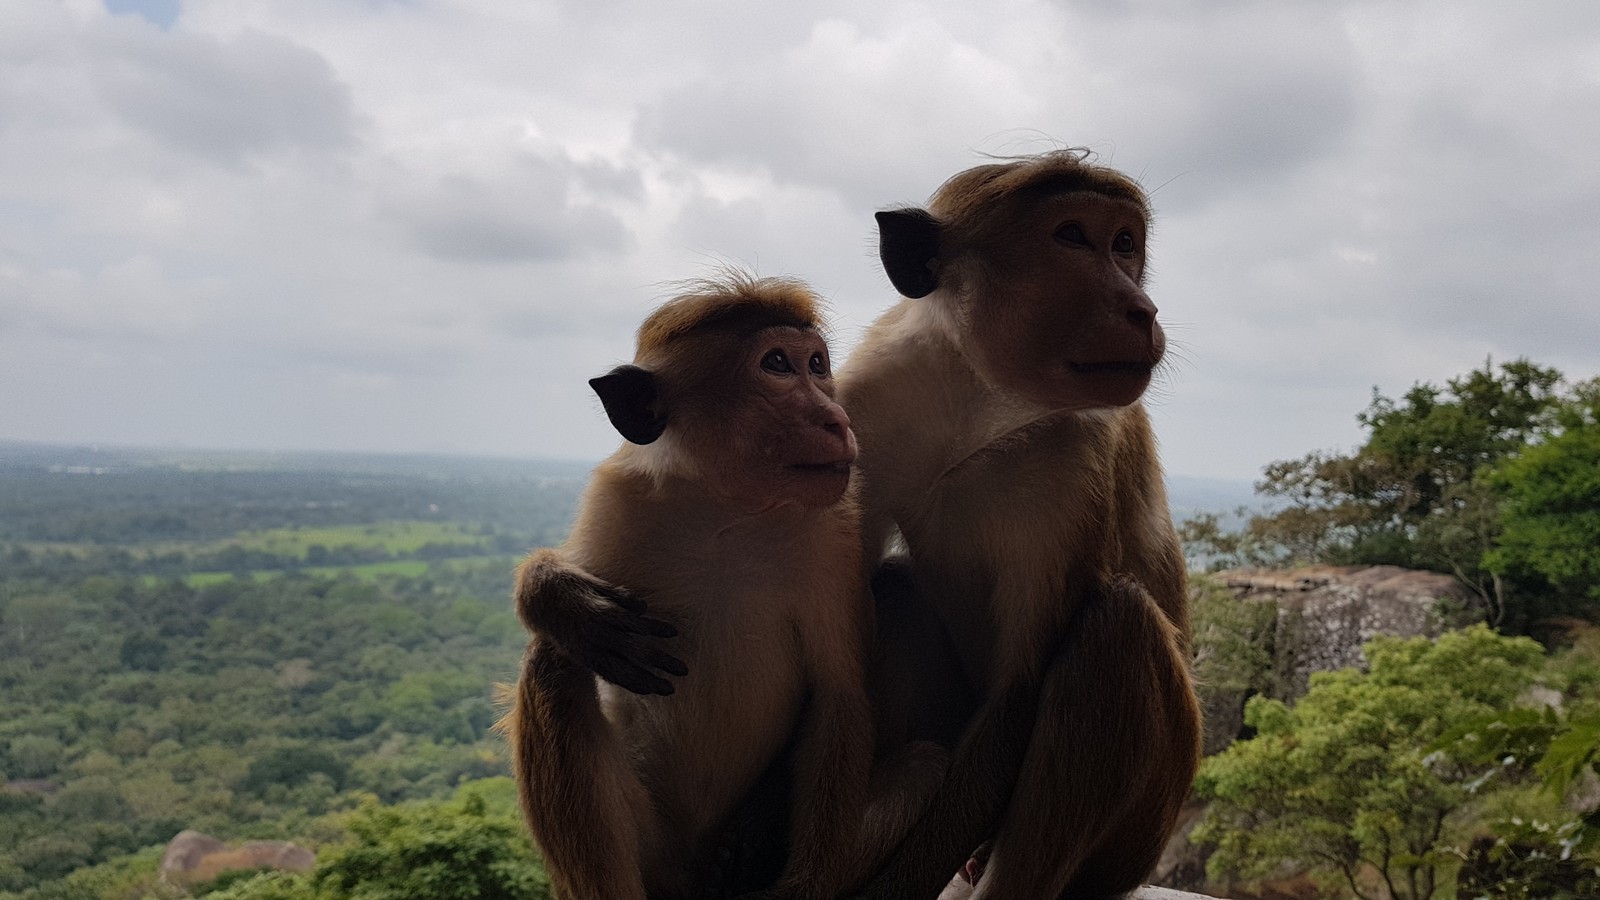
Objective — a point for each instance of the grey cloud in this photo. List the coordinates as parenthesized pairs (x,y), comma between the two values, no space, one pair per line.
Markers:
(222,100)
(1230,98)
(867,113)
(530,214)
(608,180)
(1240,95)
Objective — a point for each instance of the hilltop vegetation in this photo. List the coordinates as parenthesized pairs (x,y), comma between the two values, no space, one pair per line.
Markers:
(304,648)
(159,671)
(1462,767)
(1493,478)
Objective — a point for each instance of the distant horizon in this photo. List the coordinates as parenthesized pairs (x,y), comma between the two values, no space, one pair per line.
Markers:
(94,446)
(290,451)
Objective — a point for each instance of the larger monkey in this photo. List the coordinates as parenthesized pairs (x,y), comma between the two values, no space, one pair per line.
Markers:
(997,408)
(728,512)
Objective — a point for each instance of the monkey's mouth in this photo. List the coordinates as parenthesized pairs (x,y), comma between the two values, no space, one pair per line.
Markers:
(827,468)
(1115,369)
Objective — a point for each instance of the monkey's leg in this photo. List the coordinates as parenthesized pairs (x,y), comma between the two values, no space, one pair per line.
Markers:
(921,704)
(902,789)
(1111,760)
(580,798)
(919,691)
(967,808)
(832,765)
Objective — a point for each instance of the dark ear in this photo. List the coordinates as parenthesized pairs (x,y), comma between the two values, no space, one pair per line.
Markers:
(908,244)
(627,393)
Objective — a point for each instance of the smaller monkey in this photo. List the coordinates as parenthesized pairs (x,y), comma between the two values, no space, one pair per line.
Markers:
(729,511)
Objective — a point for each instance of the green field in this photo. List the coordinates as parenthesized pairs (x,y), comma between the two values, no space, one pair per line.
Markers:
(409,568)
(397,538)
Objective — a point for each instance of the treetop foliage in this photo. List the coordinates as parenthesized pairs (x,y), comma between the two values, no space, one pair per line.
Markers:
(1345,780)
(1491,478)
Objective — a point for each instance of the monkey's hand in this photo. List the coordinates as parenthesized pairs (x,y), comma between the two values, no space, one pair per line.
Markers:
(603,627)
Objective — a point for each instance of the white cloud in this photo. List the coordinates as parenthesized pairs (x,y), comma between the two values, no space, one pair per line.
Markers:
(401,226)
(221,100)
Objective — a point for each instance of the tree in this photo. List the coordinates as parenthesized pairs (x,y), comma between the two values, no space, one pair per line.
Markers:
(1385,502)
(1231,656)
(33,756)
(1345,782)
(457,851)
(292,764)
(1430,486)
(1551,516)
(143,651)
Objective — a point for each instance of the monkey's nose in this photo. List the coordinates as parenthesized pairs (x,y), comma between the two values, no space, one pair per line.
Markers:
(832,417)
(1141,313)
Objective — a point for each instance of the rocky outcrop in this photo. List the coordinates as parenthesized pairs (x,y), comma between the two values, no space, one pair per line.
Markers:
(194,858)
(1316,618)
(1308,620)
(37,786)
(1325,613)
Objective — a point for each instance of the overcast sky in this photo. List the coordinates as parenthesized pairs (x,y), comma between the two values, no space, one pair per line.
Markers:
(422,226)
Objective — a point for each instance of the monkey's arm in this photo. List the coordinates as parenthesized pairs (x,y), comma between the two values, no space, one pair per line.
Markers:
(580,798)
(599,625)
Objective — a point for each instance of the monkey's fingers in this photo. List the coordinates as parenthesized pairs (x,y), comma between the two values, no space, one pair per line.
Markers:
(630,676)
(622,597)
(648,626)
(653,658)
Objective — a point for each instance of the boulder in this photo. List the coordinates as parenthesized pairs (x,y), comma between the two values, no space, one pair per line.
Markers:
(194,858)
(1325,613)
(185,851)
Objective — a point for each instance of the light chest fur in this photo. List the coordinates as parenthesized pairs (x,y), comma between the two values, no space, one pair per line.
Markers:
(739,588)
(1001,506)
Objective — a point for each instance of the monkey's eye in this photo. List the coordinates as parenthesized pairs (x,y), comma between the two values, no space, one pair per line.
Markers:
(777,361)
(819,364)
(1122,243)
(1072,233)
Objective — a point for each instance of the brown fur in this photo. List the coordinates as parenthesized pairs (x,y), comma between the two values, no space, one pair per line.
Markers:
(756,566)
(724,304)
(1001,433)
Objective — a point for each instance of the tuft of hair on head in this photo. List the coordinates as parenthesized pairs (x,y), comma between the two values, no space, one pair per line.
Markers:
(730,302)
(977,194)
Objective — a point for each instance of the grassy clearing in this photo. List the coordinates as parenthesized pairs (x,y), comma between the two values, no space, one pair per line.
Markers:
(409,568)
(406,567)
(398,537)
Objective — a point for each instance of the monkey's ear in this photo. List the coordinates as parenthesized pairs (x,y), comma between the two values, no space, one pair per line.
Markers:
(908,245)
(627,393)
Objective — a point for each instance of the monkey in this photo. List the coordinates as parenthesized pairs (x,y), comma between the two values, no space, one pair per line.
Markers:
(1003,438)
(707,610)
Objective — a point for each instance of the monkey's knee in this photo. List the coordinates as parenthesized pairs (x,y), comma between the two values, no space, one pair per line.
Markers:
(1113,754)
(1144,690)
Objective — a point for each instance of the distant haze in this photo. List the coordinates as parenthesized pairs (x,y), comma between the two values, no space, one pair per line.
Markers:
(421,226)
(1188,495)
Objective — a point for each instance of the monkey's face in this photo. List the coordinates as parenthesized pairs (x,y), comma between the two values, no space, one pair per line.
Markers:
(1055,306)
(783,437)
